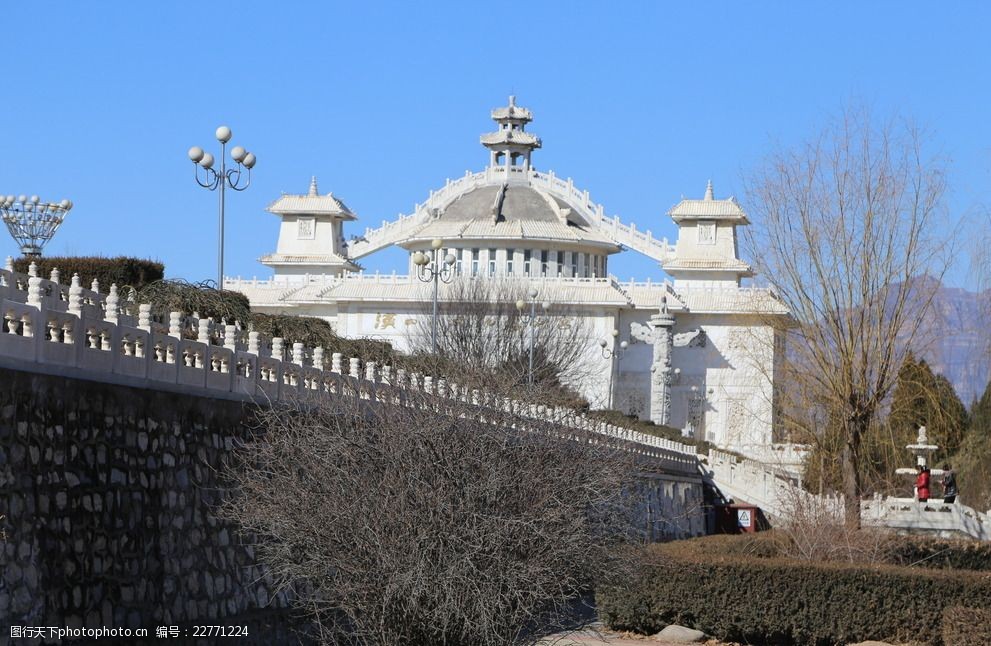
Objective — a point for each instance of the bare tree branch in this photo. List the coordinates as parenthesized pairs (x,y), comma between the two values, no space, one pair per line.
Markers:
(848,232)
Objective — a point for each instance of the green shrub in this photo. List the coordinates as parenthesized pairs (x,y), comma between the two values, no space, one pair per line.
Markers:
(966,626)
(123,271)
(702,583)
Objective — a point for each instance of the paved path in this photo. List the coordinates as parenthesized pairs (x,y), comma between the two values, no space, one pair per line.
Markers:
(608,638)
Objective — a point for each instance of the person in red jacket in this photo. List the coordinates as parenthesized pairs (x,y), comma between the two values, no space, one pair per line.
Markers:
(922,484)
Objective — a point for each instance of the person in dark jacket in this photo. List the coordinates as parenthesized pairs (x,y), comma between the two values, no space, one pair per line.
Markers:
(922,484)
(949,485)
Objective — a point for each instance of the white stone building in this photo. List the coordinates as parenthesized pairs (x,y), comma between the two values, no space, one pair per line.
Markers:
(701,353)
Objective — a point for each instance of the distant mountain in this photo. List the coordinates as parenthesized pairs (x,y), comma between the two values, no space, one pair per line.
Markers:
(956,340)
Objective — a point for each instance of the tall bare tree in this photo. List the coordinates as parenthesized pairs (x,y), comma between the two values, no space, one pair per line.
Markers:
(850,231)
(434,521)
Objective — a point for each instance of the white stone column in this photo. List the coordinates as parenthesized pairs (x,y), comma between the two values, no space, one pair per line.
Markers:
(661,370)
(500,258)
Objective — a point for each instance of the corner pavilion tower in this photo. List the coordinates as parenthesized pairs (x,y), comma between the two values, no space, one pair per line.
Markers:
(691,361)
(311,235)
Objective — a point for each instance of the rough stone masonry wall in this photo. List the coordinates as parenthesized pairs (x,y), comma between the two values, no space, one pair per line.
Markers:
(107,494)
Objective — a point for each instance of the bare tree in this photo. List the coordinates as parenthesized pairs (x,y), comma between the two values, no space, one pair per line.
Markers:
(433,521)
(480,328)
(848,231)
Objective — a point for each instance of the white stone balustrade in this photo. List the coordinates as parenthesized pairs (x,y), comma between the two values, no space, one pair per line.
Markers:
(776,491)
(627,235)
(87,337)
(934,517)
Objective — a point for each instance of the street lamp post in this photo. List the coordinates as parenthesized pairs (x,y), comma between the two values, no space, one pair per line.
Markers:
(609,353)
(520,304)
(31,222)
(223,179)
(431,269)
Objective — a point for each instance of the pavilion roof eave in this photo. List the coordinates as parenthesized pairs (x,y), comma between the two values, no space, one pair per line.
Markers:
(727,217)
(514,241)
(340,215)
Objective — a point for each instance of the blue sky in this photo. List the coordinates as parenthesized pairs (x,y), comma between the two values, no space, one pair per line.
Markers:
(639,102)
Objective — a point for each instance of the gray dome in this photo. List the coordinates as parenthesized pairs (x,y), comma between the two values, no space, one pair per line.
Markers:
(509,212)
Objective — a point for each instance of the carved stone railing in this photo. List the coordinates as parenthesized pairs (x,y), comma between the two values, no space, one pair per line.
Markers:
(285,288)
(624,234)
(777,491)
(97,337)
(932,517)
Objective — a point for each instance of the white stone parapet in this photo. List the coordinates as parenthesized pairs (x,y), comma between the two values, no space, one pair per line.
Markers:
(382,278)
(39,332)
(624,234)
(777,491)
(934,517)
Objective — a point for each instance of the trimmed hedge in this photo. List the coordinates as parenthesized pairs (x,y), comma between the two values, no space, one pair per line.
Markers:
(943,553)
(313,332)
(966,626)
(701,583)
(122,270)
(177,295)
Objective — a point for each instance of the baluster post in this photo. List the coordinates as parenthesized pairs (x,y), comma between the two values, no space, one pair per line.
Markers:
(75,297)
(111,305)
(144,317)
(230,337)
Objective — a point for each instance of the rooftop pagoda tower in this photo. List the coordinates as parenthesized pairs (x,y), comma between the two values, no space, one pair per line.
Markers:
(707,252)
(311,238)
(511,146)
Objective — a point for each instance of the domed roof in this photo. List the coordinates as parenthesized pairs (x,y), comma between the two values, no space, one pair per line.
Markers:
(509,211)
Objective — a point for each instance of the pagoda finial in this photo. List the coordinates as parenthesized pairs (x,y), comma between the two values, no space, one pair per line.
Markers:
(313,186)
(708,191)
(512,100)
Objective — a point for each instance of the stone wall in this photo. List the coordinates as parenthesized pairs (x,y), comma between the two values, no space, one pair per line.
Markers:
(108,496)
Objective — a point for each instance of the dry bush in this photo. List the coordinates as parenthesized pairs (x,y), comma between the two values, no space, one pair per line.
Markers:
(814,530)
(433,522)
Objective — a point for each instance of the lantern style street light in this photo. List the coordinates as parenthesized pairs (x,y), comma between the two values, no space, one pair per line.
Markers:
(432,269)
(520,305)
(31,222)
(697,400)
(222,179)
(610,353)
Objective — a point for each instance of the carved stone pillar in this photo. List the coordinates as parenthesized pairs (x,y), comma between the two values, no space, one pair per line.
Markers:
(659,332)
(661,370)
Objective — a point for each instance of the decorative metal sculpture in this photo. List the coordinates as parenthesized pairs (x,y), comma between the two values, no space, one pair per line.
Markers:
(31,222)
